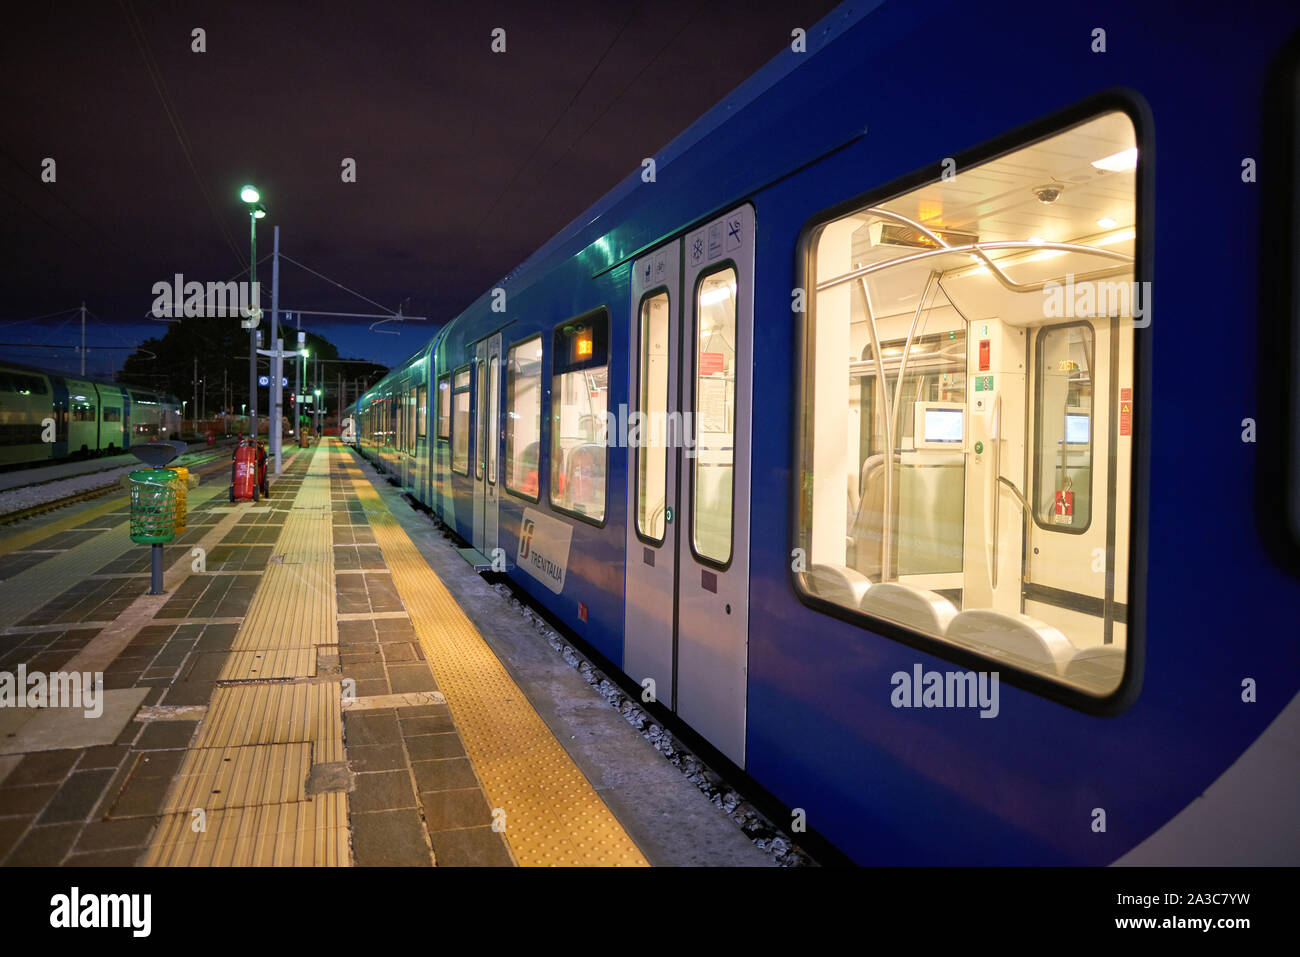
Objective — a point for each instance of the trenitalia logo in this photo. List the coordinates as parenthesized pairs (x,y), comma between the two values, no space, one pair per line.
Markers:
(526,541)
(190,299)
(544,548)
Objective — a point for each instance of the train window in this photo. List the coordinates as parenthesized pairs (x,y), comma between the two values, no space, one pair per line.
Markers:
(652,402)
(25,384)
(1063,417)
(422,411)
(83,412)
(494,416)
(412,413)
(395,410)
(460,424)
(580,399)
(444,406)
(480,459)
(713,474)
(112,415)
(524,417)
(967,392)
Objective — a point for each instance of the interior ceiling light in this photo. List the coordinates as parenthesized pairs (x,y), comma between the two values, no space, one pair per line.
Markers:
(1118,162)
(1107,223)
(1119,237)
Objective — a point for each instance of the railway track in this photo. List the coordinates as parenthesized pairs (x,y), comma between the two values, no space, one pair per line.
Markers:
(205,465)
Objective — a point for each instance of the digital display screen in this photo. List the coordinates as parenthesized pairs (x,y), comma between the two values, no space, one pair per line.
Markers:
(1077,429)
(944,425)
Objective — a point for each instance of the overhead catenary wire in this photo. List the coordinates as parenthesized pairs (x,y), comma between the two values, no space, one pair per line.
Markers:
(621,93)
(173,117)
(388,312)
(58,196)
(562,114)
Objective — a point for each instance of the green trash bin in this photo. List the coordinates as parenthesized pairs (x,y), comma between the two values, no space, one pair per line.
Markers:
(153,506)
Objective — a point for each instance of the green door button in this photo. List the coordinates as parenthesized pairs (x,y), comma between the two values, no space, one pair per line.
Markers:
(979,448)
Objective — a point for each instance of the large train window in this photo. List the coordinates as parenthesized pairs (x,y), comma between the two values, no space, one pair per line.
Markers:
(524,417)
(460,423)
(422,412)
(579,401)
(444,406)
(967,421)
(713,472)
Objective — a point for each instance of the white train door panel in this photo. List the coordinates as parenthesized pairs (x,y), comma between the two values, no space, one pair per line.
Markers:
(713,549)
(653,472)
(487,432)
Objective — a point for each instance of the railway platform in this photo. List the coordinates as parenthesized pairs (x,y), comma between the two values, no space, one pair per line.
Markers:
(324,682)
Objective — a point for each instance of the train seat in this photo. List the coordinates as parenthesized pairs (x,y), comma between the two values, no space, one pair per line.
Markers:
(1018,639)
(1098,668)
(866,529)
(838,584)
(915,608)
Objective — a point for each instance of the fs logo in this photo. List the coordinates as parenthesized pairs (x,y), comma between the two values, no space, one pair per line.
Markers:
(529,527)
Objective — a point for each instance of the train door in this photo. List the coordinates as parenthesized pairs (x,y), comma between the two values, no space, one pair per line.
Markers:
(1079,413)
(652,506)
(487,433)
(688,538)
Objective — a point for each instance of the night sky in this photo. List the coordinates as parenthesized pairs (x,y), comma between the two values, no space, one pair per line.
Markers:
(467,160)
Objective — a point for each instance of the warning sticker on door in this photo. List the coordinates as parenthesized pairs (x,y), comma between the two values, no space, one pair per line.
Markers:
(544,548)
(1125,411)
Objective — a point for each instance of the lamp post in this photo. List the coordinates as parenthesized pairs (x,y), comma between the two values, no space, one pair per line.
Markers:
(303,353)
(253,199)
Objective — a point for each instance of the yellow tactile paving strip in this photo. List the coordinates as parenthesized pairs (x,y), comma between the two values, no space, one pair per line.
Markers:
(304,833)
(294,609)
(242,776)
(248,767)
(553,816)
(277,713)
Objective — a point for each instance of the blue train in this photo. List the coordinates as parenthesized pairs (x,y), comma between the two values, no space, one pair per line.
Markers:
(849,431)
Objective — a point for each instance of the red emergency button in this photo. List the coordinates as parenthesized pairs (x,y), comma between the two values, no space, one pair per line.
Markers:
(984,355)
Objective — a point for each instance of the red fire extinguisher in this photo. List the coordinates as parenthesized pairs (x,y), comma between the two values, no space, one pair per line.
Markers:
(243,473)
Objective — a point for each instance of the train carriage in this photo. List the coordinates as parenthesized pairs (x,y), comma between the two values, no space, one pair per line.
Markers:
(47,415)
(855,438)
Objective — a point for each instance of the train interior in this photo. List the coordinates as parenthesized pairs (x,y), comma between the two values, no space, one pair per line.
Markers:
(968,407)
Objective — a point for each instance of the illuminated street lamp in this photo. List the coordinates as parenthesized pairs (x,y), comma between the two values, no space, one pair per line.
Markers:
(256,210)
